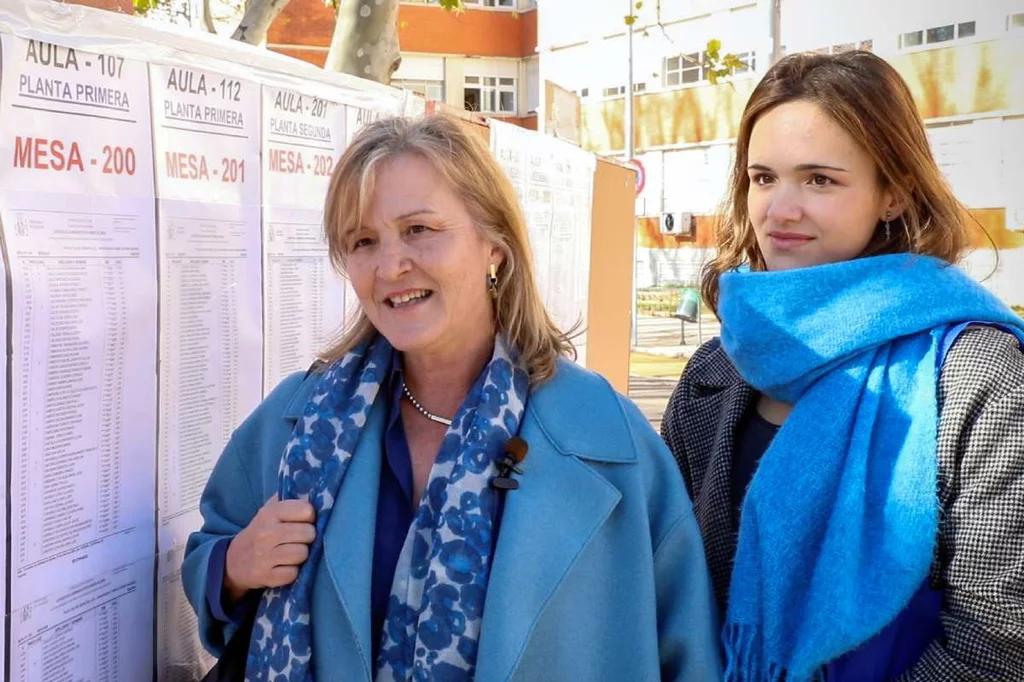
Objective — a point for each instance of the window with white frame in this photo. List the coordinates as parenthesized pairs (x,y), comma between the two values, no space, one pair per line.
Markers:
(1015,21)
(748,61)
(866,45)
(620,90)
(429,89)
(490,94)
(685,69)
(682,69)
(937,34)
(510,4)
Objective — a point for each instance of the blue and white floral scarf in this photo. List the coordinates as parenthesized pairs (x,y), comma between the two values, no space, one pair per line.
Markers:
(436,606)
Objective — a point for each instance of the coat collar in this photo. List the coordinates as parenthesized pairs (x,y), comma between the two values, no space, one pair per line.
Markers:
(712,369)
(716,399)
(572,395)
(562,502)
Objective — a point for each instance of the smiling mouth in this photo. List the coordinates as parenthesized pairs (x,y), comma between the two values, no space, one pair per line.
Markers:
(408,298)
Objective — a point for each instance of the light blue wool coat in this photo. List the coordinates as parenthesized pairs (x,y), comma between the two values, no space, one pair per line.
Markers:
(599,569)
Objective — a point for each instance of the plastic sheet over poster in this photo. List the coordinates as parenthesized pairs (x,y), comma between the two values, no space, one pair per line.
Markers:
(161,200)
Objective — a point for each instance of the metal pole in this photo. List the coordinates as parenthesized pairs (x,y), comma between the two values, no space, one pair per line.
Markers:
(776,31)
(628,123)
(629,92)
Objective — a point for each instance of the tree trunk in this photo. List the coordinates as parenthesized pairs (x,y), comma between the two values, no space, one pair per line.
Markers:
(256,21)
(365,40)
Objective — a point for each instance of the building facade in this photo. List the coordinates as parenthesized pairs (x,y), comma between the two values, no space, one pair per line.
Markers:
(961,60)
(483,59)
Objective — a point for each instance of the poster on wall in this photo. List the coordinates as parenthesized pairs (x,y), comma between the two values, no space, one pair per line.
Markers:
(303,297)
(206,141)
(554,181)
(99,629)
(76,205)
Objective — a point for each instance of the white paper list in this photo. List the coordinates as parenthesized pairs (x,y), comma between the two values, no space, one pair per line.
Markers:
(303,297)
(206,142)
(206,133)
(554,181)
(181,656)
(77,212)
(99,629)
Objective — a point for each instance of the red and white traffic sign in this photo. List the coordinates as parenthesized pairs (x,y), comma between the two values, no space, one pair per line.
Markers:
(641,174)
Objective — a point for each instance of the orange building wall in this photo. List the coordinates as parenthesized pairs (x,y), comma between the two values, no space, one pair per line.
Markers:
(422,28)
(303,22)
(475,32)
(122,6)
(651,236)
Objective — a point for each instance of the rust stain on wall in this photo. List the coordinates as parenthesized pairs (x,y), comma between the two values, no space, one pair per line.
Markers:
(965,79)
(690,115)
(988,227)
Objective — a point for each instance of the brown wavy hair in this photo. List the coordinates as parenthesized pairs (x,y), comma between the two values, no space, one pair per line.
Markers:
(461,157)
(870,100)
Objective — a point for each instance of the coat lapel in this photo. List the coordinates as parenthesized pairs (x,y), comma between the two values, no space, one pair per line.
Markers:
(718,400)
(349,536)
(547,524)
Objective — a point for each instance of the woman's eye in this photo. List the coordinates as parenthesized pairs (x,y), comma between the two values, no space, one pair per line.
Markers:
(362,241)
(762,179)
(821,180)
(417,229)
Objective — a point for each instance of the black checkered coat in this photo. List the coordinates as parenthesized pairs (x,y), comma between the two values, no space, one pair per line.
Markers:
(979,561)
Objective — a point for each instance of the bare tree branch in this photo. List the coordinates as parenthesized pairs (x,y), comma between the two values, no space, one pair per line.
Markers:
(208,17)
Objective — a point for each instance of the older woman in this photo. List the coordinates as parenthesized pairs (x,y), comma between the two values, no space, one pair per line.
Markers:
(397,544)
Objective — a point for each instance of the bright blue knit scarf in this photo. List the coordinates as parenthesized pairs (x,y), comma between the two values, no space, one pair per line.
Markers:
(838,526)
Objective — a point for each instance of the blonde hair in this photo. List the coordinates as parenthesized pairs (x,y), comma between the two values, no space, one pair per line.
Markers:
(464,161)
(870,100)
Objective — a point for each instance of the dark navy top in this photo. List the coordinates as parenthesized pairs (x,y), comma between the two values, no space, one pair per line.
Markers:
(900,644)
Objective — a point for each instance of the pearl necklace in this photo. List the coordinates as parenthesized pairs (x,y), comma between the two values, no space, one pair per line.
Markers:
(422,410)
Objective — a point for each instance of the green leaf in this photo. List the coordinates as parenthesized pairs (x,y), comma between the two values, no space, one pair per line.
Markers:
(144,6)
(713,47)
(640,4)
(453,6)
(630,19)
(732,61)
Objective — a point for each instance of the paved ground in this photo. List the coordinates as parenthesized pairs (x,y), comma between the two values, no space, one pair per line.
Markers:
(659,358)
